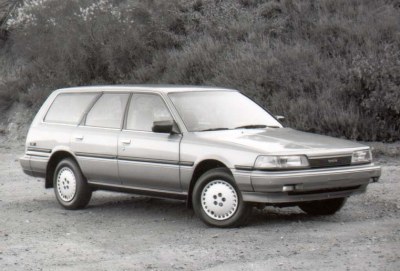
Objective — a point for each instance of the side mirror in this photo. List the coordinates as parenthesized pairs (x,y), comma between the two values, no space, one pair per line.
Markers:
(165,126)
(280,118)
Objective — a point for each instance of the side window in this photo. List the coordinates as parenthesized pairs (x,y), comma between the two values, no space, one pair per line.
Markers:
(144,109)
(68,108)
(108,111)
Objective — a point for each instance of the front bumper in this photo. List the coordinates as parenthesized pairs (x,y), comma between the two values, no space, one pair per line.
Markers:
(308,185)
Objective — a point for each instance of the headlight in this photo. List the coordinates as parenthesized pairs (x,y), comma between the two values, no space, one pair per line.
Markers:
(361,157)
(281,162)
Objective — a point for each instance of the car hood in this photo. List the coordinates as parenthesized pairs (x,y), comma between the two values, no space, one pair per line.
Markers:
(281,141)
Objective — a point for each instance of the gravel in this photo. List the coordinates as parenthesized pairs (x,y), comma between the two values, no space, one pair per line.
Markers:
(125,232)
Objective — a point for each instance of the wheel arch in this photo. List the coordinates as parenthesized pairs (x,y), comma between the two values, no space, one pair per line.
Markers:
(55,158)
(199,170)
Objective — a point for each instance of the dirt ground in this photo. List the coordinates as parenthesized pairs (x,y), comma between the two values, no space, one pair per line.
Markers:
(126,232)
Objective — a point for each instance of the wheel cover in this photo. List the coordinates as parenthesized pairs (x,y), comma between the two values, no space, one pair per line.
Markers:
(66,184)
(219,200)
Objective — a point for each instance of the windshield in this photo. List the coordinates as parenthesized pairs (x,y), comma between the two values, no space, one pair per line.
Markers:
(220,110)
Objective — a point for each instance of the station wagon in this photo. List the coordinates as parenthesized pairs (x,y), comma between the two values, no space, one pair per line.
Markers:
(213,147)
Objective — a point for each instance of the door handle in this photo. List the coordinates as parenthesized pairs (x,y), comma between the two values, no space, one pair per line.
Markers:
(126,141)
(79,137)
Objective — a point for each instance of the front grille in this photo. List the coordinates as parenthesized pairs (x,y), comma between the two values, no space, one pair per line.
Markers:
(327,190)
(322,162)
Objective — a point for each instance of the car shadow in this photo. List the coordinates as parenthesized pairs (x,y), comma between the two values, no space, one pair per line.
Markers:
(277,216)
(123,206)
(140,205)
(154,208)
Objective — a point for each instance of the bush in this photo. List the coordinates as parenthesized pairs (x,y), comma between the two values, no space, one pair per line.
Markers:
(329,66)
(67,43)
(374,85)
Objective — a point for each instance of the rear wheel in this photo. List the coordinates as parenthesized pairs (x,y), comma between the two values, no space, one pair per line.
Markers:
(70,186)
(323,207)
(217,201)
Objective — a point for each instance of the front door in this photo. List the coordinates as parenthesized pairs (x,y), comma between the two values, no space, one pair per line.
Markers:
(148,160)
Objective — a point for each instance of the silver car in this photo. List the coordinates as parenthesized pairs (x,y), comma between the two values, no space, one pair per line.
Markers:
(213,147)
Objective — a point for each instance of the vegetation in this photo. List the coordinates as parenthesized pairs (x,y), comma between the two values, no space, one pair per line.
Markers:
(329,66)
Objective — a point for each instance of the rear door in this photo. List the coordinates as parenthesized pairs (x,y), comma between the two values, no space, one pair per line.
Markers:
(148,160)
(95,141)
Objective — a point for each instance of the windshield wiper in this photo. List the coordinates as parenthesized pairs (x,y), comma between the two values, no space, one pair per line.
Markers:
(214,129)
(255,126)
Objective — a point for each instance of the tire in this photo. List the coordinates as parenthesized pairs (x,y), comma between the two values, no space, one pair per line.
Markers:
(70,186)
(323,207)
(218,202)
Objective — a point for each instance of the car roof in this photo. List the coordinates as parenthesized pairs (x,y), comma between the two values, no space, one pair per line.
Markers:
(142,88)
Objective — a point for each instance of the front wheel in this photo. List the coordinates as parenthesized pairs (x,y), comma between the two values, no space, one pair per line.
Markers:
(323,207)
(217,201)
(70,186)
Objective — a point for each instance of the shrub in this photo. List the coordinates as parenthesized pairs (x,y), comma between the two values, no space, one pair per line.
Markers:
(87,42)
(329,66)
(375,86)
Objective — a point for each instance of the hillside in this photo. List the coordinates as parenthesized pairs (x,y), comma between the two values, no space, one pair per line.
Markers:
(329,66)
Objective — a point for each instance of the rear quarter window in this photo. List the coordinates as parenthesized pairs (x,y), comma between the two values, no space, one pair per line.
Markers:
(68,108)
